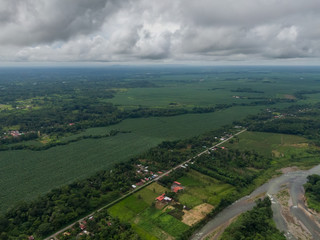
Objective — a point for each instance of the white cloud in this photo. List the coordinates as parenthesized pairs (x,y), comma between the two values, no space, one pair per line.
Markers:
(148,30)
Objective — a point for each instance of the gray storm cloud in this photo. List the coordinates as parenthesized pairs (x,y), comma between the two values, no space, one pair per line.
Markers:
(150,30)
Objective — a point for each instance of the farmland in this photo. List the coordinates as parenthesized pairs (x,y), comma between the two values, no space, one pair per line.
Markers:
(162,221)
(201,190)
(138,210)
(27,174)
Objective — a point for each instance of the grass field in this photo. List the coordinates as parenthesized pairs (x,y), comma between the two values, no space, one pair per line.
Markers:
(200,188)
(149,222)
(208,89)
(153,223)
(285,151)
(270,144)
(27,174)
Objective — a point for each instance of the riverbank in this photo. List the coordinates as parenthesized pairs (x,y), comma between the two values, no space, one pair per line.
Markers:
(288,204)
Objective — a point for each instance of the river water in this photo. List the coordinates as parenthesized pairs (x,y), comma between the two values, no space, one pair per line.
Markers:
(295,180)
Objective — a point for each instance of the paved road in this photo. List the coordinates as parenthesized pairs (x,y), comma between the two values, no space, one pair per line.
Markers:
(53,236)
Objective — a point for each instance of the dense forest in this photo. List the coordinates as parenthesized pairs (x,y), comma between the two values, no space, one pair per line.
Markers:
(254,224)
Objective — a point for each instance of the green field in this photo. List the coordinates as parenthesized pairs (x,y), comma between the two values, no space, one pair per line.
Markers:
(269,144)
(149,222)
(200,188)
(27,174)
(210,89)
(152,223)
(285,150)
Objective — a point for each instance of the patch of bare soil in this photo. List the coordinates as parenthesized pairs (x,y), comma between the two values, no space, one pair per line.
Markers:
(160,205)
(289,169)
(196,214)
(294,225)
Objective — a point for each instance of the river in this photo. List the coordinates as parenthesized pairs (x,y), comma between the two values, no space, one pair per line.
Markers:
(294,181)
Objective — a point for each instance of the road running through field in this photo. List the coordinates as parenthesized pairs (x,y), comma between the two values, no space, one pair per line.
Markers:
(53,236)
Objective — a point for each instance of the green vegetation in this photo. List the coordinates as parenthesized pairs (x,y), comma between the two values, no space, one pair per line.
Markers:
(200,188)
(54,108)
(268,144)
(139,210)
(218,178)
(27,174)
(254,224)
(312,189)
(61,123)
(101,226)
(283,150)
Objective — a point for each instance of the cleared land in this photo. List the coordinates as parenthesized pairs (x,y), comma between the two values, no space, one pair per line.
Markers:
(196,214)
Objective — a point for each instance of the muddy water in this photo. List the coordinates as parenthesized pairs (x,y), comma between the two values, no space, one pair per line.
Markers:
(295,181)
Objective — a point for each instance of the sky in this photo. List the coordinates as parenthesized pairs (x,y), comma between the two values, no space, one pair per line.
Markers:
(165,31)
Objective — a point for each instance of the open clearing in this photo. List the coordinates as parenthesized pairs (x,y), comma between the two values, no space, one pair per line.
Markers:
(269,144)
(196,214)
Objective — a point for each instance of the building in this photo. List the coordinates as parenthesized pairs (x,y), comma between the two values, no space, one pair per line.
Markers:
(160,198)
(163,198)
(176,187)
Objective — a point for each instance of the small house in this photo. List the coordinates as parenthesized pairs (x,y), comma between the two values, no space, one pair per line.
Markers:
(177,189)
(160,198)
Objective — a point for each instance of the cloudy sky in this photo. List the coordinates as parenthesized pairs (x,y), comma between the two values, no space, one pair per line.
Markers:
(160,31)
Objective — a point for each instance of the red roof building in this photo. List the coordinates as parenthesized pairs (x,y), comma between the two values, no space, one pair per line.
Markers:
(177,189)
(177,182)
(161,197)
(82,227)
